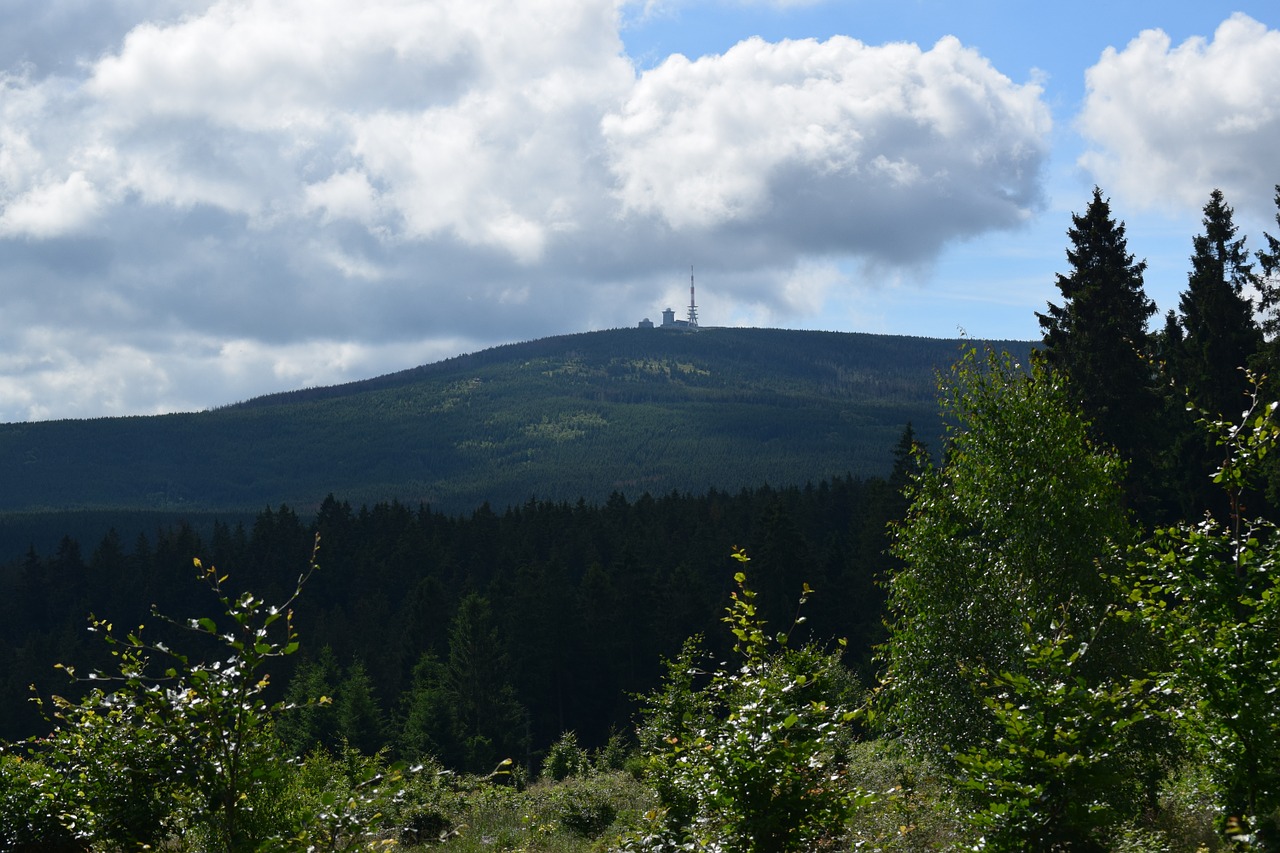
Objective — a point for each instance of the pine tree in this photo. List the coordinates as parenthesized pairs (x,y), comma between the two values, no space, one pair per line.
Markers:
(1097,339)
(1221,335)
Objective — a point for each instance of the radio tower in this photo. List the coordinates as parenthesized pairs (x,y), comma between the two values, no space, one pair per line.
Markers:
(693,308)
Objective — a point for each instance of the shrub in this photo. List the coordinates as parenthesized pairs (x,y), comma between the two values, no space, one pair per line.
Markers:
(584,806)
(170,746)
(750,757)
(1211,592)
(31,795)
(565,759)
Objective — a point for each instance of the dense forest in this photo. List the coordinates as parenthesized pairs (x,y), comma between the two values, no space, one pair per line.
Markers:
(1059,631)
(560,585)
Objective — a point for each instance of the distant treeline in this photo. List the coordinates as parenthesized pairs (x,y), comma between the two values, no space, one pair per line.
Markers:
(579,603)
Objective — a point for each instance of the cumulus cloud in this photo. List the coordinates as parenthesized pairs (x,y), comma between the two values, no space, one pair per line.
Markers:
(1168,124)
(883,151)
(209,195)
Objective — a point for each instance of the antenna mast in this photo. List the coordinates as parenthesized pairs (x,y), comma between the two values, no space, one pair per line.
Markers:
(693,308)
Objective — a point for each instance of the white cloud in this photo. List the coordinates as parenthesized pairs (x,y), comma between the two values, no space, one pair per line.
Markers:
(345,195)
(71,374)
(237,196)
(51,209)
(924,144)
(1168,124)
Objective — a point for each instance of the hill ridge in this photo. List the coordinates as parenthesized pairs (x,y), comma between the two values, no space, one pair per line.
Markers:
(562,417)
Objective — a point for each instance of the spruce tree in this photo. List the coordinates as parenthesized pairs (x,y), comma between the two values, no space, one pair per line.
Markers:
(1220,334)
(1269,301)
(1270,282)
(491,724)
(1097,339)
(1216,337)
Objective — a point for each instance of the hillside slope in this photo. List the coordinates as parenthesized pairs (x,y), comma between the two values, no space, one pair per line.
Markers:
(630,410)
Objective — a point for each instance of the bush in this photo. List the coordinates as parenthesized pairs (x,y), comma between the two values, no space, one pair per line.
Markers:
(342,800)
(751,757)
(170,747)
(584,806)
(31,795)
(565,759)
(615,753)
(919,812)
(168,744)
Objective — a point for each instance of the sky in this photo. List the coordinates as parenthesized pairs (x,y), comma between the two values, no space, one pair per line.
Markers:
(203,201)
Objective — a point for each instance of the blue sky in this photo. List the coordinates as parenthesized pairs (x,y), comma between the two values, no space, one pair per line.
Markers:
(992,285)
(206,200)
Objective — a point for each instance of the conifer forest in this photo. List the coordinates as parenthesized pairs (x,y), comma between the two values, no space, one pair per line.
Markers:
(1050,621)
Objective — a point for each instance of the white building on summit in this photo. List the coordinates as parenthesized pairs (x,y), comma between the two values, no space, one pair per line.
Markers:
(669,320)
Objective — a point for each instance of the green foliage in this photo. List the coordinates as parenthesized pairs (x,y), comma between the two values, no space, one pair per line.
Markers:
(191,741)
(1019,525)
(1098,340)
(1269,281)
(174,745)
(1061,773)
(1007,554)
(586,806)
(489,723)
(565,759)
(1098,336)
(32,802)
(360,718)
(1212,591)
(344,802)
(427,710)
(565,582)
(751,759)
(309,718)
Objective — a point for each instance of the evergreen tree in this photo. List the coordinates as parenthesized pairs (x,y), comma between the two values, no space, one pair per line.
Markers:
(427,721)
(360,717)
(310,718)
(491,724)
(1269,303)
(1220,334)
(906,462)
(1269,283)
(1098,339)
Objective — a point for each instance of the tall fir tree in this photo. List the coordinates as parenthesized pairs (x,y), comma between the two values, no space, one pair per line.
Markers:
(1269,301)
(1217,335)
(1097,339)
(490,722)
(1270,257)
(1220,332)
(1267,363)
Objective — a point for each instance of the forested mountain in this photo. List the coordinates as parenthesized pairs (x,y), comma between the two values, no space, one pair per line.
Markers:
(555,485)
(579,416)
(1065,640)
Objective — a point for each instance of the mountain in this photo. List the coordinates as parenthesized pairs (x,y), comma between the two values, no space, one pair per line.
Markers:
(576,416)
